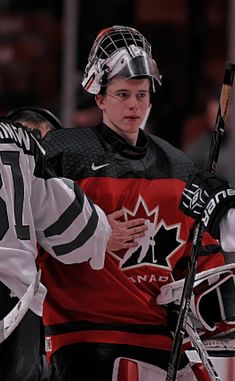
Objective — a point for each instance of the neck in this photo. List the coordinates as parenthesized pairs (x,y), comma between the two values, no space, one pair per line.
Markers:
(130,137)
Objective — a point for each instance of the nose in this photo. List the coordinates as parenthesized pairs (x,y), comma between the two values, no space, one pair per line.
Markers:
(133,101)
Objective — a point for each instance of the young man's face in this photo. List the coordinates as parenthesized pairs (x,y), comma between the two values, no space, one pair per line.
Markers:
(125,104)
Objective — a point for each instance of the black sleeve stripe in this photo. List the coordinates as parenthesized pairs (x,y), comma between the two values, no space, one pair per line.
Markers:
(82,237)
(67,218)
(74,326)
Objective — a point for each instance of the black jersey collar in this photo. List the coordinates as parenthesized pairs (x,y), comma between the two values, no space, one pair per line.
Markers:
(119,144)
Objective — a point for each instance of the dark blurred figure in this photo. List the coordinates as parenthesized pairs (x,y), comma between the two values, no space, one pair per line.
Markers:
(197,133)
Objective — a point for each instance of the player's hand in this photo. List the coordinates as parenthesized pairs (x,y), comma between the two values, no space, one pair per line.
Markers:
(207,197)
(124,234)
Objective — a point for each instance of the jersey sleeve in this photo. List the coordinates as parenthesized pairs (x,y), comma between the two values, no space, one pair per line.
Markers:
(227,231)
(68,225)
(36,206)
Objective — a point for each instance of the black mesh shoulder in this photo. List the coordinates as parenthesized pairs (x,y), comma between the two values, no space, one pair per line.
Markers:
(69,139)
(72,150)
(180,165)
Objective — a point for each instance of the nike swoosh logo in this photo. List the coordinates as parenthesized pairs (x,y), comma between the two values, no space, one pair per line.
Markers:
(96,167)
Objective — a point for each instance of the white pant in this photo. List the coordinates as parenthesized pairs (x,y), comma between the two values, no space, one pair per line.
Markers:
(132,370)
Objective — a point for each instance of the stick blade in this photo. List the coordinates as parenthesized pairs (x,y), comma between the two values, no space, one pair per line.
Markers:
(14,317)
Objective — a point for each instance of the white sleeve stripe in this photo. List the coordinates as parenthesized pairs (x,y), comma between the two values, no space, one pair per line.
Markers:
(66,219)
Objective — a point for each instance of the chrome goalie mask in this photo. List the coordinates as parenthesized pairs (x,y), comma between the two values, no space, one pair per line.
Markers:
(122,51)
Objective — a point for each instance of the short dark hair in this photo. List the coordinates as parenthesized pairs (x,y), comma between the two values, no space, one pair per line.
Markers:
(36,115)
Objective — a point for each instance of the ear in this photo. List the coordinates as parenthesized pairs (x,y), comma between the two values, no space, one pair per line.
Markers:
(100,101)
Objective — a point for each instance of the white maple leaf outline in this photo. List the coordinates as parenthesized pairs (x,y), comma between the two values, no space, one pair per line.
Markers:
(161,223)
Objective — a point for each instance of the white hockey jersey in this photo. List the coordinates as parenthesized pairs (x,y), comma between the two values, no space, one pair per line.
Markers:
(227,231)
(36,206)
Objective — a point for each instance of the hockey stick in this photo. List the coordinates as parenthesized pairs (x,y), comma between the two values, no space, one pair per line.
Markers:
(202,352)
(14,317)
(180,331)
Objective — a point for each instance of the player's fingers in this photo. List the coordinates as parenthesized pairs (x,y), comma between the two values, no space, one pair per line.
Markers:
(135,222)
(130,244)
(136,235)
(137,229)
(114,244)
(115,215)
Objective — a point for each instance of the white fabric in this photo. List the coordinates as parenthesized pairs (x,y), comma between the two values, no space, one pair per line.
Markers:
(220,345)
(172,292)
(31,200)
(148,372)
(227,231)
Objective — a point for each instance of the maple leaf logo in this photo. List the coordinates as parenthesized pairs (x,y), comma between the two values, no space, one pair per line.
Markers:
(160,243)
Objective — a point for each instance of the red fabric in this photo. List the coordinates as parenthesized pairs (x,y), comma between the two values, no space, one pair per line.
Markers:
(200,372)
(127,371)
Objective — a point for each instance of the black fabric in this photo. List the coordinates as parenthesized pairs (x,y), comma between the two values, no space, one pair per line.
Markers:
(88,325)
(95,360)
(72,151)
(20,352)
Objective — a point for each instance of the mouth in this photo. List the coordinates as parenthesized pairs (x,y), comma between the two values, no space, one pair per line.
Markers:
(132,117)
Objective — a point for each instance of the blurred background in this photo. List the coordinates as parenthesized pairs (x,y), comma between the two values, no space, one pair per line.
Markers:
(44,45)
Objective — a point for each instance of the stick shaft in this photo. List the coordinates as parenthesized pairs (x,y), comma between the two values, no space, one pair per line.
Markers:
(14,317)
(199,229)
(221,118)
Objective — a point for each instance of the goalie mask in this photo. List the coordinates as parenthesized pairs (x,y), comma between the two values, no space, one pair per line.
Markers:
(119,51)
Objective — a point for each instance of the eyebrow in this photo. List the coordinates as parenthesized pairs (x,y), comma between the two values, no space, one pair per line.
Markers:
(138,91)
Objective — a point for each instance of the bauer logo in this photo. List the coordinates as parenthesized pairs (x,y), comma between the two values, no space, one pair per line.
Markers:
(212,204)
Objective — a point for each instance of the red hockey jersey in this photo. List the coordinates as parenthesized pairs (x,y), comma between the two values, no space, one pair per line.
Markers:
(118,303)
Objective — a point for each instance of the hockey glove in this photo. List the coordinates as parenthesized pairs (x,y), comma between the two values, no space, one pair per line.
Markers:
(207,197)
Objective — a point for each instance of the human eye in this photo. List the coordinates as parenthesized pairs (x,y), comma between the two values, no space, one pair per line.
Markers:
(142,95)
(123,94)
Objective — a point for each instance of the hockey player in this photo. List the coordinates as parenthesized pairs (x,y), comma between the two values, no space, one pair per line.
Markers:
(94,318)
(41,121)
(27,354)
(73,231)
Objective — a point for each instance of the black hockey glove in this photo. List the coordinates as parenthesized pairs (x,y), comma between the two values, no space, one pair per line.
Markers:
(207,197)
